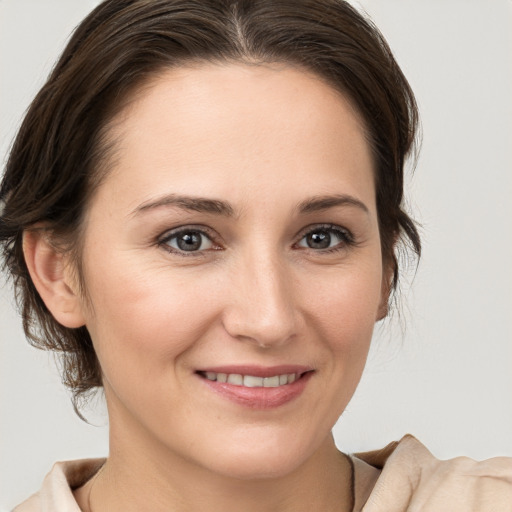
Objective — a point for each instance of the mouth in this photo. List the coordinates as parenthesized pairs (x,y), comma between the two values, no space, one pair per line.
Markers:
(252,381)
(257,387)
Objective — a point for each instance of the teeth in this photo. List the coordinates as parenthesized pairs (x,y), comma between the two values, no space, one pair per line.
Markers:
(271,382)
(236,379)
(253,382)
(250,381)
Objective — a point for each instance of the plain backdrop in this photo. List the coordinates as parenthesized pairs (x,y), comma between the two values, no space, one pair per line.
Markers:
(442,368)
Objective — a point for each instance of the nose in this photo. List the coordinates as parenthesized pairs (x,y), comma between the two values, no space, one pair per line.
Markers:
(261,309)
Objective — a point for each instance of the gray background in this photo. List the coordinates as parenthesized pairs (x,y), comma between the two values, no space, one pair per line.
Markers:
(442,370)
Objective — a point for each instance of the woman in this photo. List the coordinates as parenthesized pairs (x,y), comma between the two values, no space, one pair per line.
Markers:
(202,211)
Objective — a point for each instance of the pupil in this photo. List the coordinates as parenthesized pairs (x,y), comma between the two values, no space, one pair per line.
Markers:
(189,241)
(319,240)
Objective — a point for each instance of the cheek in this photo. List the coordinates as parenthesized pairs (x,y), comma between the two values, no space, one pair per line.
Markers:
(145,317)
(347,304)
(342,312)
(345,309)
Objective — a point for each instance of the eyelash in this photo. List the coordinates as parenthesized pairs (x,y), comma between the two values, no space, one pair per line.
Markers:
(165,240)
(346,239)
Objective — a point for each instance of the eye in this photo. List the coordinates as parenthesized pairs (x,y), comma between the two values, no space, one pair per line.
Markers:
(187,240)
(326,237)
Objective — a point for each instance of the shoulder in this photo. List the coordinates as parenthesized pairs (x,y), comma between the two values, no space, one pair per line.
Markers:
(32,504)
(406,476)
(56,493)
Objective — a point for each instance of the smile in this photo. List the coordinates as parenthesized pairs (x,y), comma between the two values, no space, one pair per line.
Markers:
(251,381)
(257,387)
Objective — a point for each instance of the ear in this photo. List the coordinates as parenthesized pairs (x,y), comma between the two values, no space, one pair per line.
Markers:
(52,277)
(387,280)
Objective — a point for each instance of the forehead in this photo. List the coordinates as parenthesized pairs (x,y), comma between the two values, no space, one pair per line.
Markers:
(218,125)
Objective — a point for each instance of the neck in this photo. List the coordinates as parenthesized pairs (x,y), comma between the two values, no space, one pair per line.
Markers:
(145,477)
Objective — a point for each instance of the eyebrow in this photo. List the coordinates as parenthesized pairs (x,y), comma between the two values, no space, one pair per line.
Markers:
(320,203)
(218,207)
(196,204)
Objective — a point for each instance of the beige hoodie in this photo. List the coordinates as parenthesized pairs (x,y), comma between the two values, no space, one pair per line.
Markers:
(403,476)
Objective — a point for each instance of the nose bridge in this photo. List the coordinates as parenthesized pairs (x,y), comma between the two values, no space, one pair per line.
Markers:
(262,307)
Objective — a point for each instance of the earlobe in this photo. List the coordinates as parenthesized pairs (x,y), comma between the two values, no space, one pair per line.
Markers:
(387,280)
(52,278)
(383,308)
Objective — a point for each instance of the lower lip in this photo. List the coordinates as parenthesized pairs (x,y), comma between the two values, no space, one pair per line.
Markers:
(260,398)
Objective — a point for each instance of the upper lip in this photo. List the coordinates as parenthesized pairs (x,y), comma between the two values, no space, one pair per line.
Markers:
(258,371)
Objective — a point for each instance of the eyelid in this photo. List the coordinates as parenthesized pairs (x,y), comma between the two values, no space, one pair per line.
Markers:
(163,239)
(326,226)
(345,233)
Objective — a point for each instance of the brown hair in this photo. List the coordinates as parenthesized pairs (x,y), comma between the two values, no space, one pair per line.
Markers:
(56,160)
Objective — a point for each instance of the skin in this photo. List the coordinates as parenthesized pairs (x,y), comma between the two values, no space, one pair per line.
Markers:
(264,139)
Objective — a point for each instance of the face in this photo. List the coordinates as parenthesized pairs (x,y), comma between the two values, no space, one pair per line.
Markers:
(233,265)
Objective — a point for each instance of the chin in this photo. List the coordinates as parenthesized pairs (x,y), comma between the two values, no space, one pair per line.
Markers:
(263,457)
(258,468)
